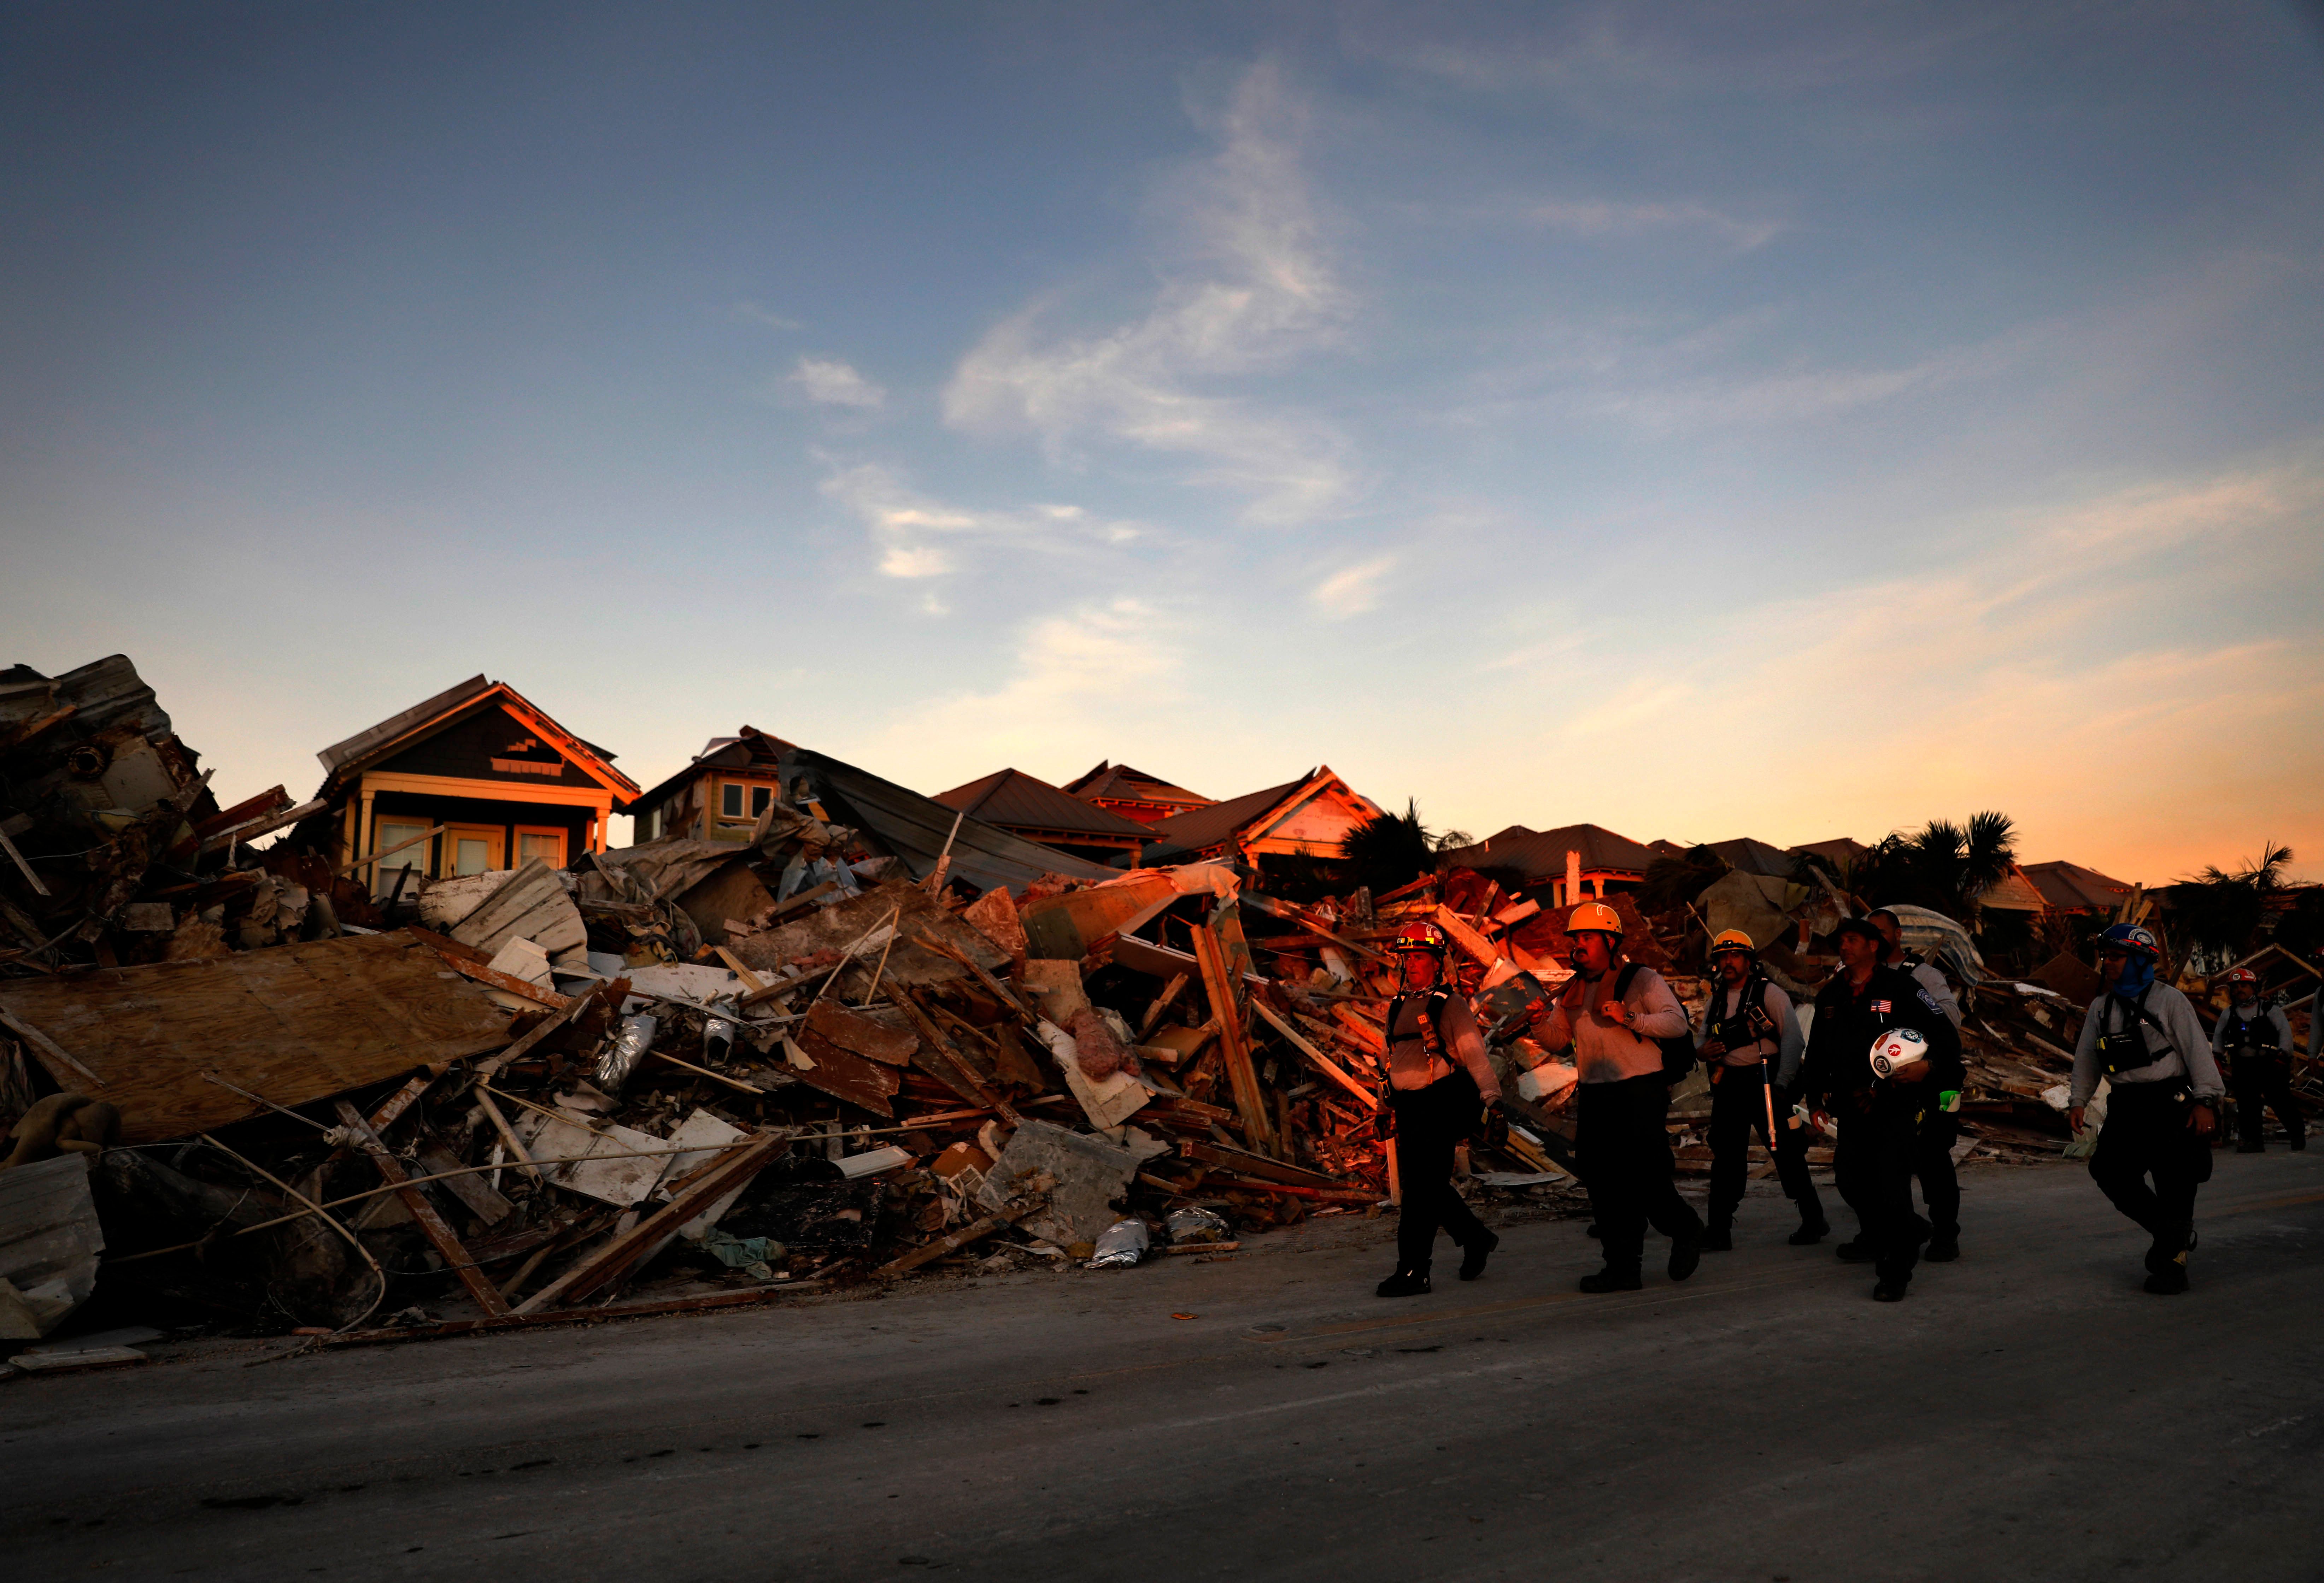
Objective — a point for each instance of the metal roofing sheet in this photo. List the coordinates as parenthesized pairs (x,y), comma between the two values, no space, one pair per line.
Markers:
(914,827)
(1011,796)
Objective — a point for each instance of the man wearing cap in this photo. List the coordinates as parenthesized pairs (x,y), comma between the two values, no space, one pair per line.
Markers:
(1748,1023)
(1879,1117)
(1612,1013)
(2254,1037)
(2162,1100)
(1932,1160)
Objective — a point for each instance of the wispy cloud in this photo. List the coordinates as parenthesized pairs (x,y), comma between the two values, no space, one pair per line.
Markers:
(830,382)
(1258,293)
(1353,590)
(753,313)
(917,535)
(1102,672)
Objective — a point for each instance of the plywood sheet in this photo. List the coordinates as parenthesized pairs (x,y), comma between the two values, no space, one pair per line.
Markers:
(293,1023)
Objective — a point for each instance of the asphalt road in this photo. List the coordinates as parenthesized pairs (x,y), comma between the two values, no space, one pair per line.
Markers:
(2029,1412)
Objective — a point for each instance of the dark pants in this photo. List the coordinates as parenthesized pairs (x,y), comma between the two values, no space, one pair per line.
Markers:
(1428,1123)
(2146,1134)
(1738,1108)
(1623,1155)
(1932,1162)
(2262,1080)
(1872,1165)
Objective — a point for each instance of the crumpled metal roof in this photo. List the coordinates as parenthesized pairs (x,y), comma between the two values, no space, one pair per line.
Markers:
(914,827)
(1011,796)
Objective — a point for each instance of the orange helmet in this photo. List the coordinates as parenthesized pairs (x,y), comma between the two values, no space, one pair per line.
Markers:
(1733,940)
(1597,916)
(1418,937)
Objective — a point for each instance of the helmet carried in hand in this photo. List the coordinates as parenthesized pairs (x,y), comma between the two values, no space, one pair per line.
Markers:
(1897,1047)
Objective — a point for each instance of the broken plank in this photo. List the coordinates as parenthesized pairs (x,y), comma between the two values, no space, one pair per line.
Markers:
(975,1231)
(1234,1039)
(614,1259)
(485,1295)
(1331,1069)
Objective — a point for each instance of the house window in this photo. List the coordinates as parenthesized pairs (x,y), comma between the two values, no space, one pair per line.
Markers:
(472,849)
(534,840)
(388,834)
(731,796)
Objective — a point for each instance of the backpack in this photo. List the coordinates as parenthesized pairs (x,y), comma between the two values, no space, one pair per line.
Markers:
(1678,1050)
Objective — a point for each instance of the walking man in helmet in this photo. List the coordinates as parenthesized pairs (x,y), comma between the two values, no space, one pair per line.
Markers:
(1932,1160)
(1747,1024)
(1614,1013)
(2162,1106)
(2255,1037)
(1879,1114)
(1438,1074)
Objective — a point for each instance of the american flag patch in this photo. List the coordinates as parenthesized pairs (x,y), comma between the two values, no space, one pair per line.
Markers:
(1882,1007)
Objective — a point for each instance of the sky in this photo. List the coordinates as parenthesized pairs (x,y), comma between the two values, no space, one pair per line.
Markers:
(1790,420)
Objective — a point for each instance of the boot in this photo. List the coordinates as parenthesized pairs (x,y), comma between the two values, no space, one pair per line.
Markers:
(1719,1238)
(2299,1141)
(1944,1247)
(1406,1284)
(1686,1252)
(1810,1233)
(2170,1279)
(1473,1257)
(1610,1279)
(1857,1251)
(1888,1292)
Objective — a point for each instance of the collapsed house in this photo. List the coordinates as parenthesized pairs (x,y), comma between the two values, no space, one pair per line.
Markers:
(833,1033)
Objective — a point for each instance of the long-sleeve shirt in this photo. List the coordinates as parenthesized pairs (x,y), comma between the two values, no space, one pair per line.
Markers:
(1465,1045)
(2178,1046)
(1847,1022)
(1785,1047)
(1926,974)
(1605,1051)
(2269,1028)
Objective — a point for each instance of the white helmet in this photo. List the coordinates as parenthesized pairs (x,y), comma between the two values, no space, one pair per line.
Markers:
(1897,1047)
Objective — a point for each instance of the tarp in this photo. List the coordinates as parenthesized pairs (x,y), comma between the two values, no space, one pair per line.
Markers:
(1941,941)
(1759,904)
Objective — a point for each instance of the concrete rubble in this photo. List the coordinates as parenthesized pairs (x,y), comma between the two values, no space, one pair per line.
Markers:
(867,1035)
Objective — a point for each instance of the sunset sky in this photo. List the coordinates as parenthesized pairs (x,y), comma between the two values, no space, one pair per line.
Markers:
(1790,420)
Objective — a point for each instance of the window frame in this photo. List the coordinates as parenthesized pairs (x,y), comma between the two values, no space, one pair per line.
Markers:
(564,842)
(497,834)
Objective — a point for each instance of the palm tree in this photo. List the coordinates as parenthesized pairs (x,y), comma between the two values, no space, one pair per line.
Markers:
(2221,913)
(1390,850)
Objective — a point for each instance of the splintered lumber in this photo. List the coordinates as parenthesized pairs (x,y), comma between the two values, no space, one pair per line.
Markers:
(49,1053)
(942,1060)
(1330,1068)
(1252,1164)
(549,1025)
(613,1259)
(975,1231)
(1234,1039)
(296,1022)
(532,905)
(1466,937)
(845,1075)
(485,1295)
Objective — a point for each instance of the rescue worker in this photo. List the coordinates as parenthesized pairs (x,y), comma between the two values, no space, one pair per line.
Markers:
(1879,1118)
(1613,1013)
(1932,1160)
(2255,1037)
(1748,1023)
(2162,1107)
(1438,1077)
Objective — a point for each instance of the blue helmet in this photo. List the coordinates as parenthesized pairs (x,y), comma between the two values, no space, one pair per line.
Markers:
(2131,938)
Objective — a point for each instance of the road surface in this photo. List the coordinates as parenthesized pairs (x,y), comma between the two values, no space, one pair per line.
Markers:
(2029,1412)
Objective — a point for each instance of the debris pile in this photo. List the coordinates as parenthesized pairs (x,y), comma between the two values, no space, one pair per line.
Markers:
(873,1037)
